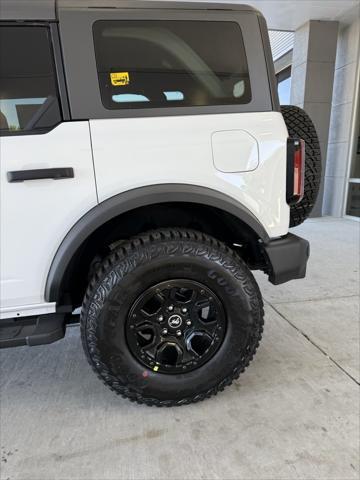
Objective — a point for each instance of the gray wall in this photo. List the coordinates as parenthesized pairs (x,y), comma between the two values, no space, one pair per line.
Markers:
(343,104)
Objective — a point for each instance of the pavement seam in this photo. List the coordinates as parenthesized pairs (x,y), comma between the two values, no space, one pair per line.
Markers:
(312,299)
(313,343)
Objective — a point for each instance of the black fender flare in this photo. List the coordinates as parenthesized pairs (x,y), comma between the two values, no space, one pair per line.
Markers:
(130,200)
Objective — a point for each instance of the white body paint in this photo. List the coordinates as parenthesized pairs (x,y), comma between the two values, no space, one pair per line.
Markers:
(36,215)
(134,152)
(242,155)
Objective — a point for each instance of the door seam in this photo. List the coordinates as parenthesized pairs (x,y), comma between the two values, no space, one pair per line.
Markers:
(93,162)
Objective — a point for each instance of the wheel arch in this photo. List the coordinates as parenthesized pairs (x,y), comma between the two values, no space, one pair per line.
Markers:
(133,200)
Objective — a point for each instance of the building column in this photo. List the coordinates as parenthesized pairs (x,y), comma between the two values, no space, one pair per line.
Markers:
(312,79)
(343,115)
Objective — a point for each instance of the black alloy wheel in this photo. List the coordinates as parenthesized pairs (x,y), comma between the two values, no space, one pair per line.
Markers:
(175,326)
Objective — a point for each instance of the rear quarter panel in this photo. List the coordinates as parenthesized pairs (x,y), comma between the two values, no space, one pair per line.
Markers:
(135,152)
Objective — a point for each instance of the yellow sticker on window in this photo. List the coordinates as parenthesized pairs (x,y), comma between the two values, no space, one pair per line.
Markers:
(119,79)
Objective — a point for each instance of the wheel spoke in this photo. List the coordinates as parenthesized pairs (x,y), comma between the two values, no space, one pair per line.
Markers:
(145,335)
(182,295)
(203,303)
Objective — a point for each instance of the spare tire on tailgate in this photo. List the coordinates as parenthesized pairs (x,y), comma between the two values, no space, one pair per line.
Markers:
(299,125)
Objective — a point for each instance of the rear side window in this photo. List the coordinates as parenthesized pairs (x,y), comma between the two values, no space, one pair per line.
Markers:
(28,92)
(149,64)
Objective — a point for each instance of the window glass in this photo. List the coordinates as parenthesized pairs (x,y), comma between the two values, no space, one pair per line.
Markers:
(153,63)
(284,86)
(28,92)
(355,164)
(353,201)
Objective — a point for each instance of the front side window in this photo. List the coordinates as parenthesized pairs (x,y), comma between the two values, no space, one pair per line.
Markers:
(28,90)
(157,63)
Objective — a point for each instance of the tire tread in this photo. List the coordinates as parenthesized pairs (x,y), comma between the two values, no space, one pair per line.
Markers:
(127,249)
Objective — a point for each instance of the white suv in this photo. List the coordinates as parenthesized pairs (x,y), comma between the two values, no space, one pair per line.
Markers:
(146,169)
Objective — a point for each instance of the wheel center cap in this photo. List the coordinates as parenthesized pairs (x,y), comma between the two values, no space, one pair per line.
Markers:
(175,321)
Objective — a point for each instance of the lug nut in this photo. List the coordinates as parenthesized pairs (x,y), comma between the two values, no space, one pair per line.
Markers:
(164,331)
(184,310)
(188,323)
(178,333)
(160,318)
(170,308)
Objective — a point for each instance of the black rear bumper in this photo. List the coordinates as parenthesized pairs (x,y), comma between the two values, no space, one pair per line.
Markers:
(287,257)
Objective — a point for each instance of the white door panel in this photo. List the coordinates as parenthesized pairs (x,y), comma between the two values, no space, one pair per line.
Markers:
(133,152)
(37,214)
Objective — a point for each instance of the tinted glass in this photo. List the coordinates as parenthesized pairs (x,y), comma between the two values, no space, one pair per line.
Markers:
(353,201)
(284,86)
(171,63)
(355,163)
(28,92)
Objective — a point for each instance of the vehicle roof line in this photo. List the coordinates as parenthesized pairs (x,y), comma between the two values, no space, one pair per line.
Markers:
(49,9)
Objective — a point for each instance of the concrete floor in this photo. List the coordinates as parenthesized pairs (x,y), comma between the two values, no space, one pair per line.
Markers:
(294,414)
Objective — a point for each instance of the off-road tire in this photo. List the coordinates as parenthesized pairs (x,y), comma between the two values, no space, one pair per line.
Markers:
(161,255)
(299,125)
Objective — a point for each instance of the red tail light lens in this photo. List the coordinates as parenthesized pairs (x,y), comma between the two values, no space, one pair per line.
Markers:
(295,170)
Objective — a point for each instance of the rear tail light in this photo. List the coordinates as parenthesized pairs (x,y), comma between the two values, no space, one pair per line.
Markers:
(295,170)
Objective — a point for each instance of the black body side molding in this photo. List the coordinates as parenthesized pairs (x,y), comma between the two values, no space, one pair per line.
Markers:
(40,174)
(130,200)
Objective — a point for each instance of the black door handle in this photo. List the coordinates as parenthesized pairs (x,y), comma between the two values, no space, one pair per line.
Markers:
(40,174)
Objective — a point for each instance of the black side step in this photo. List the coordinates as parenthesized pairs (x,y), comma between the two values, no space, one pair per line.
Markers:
(15,332)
